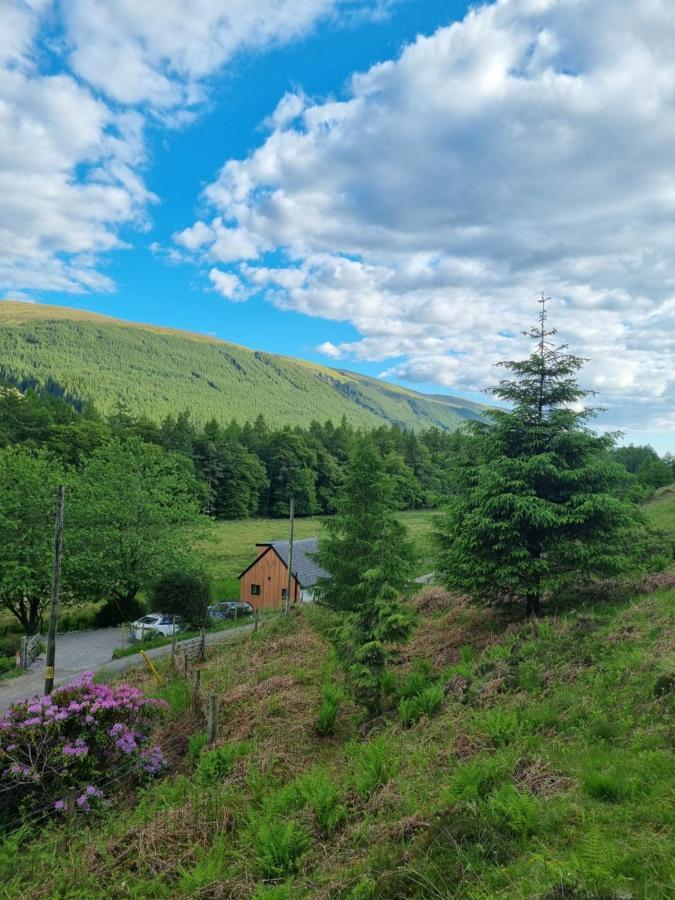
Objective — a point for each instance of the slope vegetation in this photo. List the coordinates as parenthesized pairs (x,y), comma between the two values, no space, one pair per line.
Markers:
(528,760)
(158,371)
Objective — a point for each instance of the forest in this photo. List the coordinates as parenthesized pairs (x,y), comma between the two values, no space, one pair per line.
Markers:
(241,470)
(158,372)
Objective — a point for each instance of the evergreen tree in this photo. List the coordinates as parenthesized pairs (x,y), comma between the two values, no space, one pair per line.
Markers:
(243,481)
(291,466)
(536,503)
(369,562)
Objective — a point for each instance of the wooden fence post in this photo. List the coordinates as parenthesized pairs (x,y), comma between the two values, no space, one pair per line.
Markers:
(70,807)
(195,690)
(202,647)
(185,664)
(255,627)
(212,718)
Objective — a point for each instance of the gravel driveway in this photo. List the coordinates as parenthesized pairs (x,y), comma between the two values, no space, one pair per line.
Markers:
(86,651)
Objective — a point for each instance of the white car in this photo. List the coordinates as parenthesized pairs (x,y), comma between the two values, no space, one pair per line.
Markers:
(156,625)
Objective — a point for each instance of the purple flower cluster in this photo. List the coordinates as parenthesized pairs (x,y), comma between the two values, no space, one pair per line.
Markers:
(154,761)
(81,731)
(91,795)
(77,748)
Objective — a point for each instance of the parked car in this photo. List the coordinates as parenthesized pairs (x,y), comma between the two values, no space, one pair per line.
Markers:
(156,625)
(230,609)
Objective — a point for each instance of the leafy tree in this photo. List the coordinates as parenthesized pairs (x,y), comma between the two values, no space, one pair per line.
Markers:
(28,481)
(186,594)
(646,465)
(536,505)
(369,562)
(125,507)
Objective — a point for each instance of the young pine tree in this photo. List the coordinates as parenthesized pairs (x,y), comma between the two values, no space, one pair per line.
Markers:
(536,503)
(369,562)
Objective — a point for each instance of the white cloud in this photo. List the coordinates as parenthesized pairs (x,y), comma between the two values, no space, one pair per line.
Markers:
(195,237)
(163,56)
(527,148)
(67,170)
(329,349)
(72,150)
(228,285)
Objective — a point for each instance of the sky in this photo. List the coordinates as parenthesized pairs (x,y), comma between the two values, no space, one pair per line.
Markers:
(385,186)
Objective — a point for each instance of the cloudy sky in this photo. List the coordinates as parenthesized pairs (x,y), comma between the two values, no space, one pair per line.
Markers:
(381,185)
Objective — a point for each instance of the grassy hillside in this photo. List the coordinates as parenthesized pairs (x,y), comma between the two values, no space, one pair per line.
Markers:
(545,773)
(156,371)
(661,510)
(543,770)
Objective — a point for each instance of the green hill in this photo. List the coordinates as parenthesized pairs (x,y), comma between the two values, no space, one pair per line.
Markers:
(157,371)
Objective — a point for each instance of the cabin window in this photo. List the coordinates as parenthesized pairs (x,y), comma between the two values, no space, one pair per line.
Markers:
(284,593)
(255,590)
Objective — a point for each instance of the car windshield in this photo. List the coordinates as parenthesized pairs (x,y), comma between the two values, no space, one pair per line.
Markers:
(148,620)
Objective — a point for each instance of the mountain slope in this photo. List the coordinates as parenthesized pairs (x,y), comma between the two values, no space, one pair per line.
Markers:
(157,371)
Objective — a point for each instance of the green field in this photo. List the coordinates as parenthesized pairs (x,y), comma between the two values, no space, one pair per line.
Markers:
(157,372)
(226,548)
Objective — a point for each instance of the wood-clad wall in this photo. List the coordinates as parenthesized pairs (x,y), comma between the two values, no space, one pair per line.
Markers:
(272,575)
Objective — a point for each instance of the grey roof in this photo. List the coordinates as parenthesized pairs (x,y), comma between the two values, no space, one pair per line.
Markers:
(305,569)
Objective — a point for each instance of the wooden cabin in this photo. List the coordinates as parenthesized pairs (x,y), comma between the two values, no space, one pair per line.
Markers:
(265,582)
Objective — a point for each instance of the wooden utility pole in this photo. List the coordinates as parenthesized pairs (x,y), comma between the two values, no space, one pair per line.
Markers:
(287,604)
(56,587)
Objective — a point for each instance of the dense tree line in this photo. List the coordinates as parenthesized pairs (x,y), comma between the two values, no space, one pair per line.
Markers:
(243,469)
(239,470)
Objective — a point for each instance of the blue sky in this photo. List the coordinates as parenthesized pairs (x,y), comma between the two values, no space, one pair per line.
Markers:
(384,186)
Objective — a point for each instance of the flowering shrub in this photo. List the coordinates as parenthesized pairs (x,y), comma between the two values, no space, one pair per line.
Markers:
(84,739)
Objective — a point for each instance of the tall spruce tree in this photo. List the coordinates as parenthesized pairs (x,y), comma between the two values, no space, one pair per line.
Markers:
(369,561)
(536,504)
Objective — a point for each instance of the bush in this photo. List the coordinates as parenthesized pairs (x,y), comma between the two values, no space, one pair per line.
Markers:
(277,844)
(501,725)
(477,778)
(374,765)
(183,594)
(513,810)
(79,618)
(80,735)
(114,613)
(317,791)
(331,699)
(214,765)
(9,645)
(426,703)
(608,785)
(413,684)
(7,663)
(196,743)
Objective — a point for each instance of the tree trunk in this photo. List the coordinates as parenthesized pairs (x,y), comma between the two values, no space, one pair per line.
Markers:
(533,604)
